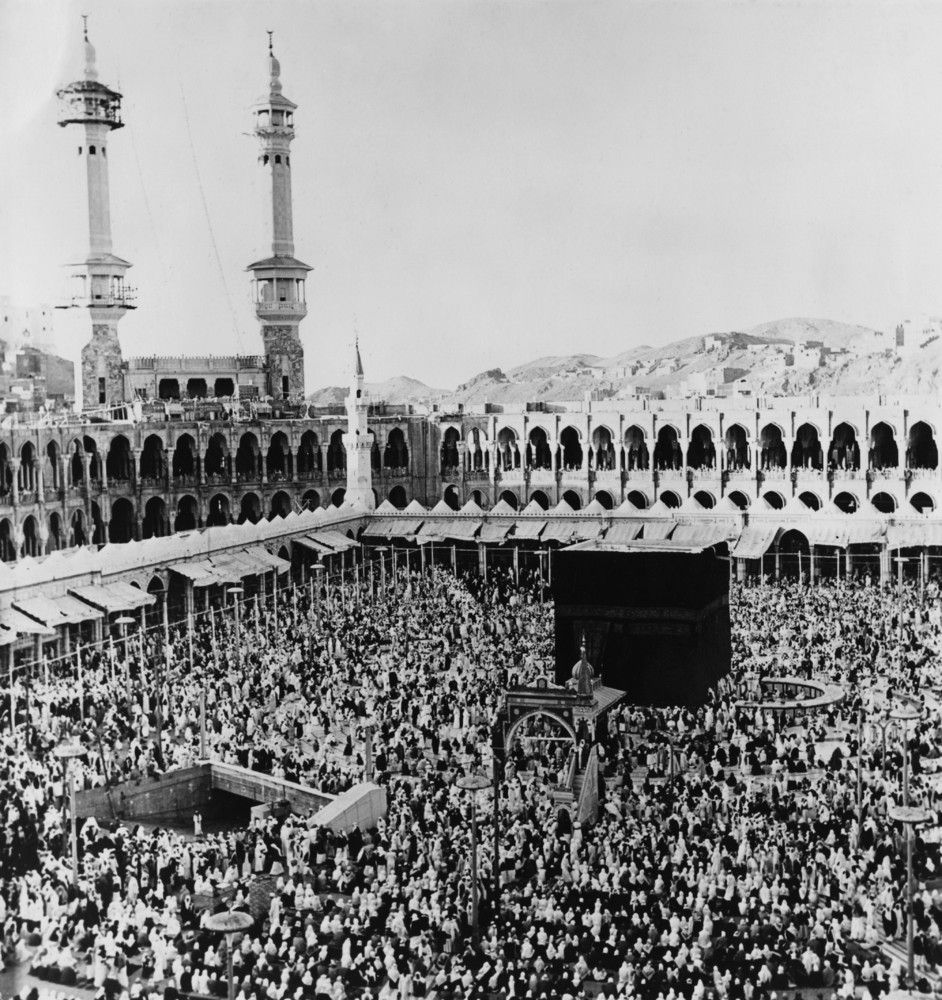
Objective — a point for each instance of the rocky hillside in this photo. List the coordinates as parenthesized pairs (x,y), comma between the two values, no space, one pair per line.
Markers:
(785,357)
(400,389)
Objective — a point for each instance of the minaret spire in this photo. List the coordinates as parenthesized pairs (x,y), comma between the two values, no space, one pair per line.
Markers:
(358,440)
(279,280)
(97,280)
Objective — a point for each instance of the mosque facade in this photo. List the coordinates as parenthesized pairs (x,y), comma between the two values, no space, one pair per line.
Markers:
(171,444)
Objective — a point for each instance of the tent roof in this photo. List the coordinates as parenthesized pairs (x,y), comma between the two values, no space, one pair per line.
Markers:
(533,508)
(386,508)
(627,507)
(658,509)
(503,508)
(595,507)
(470,508)
(414,507)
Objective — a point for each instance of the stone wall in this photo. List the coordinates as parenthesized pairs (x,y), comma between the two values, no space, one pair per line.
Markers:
(285,356)
(101,358)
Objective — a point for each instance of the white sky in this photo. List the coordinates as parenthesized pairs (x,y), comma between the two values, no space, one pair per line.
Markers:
(479,183)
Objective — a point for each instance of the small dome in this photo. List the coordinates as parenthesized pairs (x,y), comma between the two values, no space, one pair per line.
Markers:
(582,671)
(274,70)
(91,71)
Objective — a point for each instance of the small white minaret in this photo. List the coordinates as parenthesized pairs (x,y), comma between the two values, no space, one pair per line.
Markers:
(359,443)
(98,280)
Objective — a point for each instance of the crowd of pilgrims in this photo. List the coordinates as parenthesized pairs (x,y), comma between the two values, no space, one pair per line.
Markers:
(731,857)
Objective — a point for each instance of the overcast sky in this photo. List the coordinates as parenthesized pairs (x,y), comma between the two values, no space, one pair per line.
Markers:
(480,183)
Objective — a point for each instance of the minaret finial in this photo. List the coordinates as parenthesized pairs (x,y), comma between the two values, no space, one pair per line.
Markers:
(271,51)
(85,26)
(582,646)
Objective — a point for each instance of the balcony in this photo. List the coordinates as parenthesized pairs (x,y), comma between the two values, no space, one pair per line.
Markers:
(923,475)
(124,300)
(542,477)
(699,475)
(281,307)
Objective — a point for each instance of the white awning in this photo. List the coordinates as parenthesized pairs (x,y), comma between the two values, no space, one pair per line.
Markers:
(392,527)
(335,540)
(529,529)
(114,597)
(557,531)
(200,573)
(623,531)
(912,536)
(494,532)
(834,535)
(308,543)
(53,611)
(229,568)
(585,530)
(266,559)
(754,542)
(459,528)
(700,534)
(658,530)
(20,624)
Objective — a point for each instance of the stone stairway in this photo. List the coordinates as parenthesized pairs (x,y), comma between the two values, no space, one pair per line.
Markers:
(896,951)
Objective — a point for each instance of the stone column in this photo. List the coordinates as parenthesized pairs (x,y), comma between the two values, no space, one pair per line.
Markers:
(38,478)
(324,448)
(103,462)
(136,467)
(14,465)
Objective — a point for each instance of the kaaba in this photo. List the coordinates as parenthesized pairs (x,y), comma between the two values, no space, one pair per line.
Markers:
(655,617)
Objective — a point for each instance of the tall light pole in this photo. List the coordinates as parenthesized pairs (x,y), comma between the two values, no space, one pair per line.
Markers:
(67,752)
(900,561)
(381,549)
(229,923)
(909,816)
(474,783)
(123,623)
(236,594)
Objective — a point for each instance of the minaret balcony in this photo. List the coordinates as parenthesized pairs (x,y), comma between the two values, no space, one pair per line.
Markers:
(123,300)
(280,310)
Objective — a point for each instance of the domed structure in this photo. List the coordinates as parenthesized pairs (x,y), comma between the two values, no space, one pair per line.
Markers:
(583,675)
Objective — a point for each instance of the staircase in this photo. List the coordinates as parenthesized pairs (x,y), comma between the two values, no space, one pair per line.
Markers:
(896,951)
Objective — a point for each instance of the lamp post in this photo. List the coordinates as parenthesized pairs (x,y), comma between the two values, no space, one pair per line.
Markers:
(236,594)
(229,923)
(900,561)
(381,549)
(67,751)
(905,714)
(123,623)
(474,783)
(909,816)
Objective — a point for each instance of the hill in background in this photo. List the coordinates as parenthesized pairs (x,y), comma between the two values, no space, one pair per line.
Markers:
(786,357)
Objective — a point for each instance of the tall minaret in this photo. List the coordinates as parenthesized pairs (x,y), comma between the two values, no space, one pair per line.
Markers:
(98,280)
(278,282)
(359,443)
